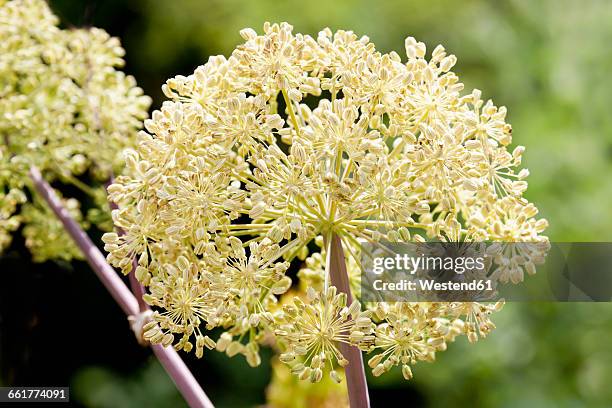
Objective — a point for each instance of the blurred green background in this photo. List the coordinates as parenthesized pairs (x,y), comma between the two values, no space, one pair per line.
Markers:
(548,61)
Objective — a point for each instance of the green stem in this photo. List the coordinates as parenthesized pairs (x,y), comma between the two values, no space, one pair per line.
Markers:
(291,113)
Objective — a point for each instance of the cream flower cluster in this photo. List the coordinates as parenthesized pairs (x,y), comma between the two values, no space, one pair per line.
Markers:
(65,108)
(293,140)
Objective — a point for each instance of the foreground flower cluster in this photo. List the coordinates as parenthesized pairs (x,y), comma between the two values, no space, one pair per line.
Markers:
(291,141)
(65,108)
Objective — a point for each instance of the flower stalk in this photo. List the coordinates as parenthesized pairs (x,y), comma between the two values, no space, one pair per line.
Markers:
(167,356)
(355,374)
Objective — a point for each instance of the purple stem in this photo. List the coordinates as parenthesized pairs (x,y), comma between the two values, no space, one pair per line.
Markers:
(355,374)
(167,356)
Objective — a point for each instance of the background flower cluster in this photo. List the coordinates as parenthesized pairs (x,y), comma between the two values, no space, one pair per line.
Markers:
(65,108)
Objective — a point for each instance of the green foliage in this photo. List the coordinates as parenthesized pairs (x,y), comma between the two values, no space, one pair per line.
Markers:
(147,386)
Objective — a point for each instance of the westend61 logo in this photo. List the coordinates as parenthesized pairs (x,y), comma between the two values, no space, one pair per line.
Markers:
(491,271)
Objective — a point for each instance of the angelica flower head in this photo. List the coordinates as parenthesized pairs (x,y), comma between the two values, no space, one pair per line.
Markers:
(65,108)
(292,140)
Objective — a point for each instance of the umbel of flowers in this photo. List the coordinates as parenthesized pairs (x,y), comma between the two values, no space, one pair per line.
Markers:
(294,141)
(65,108)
